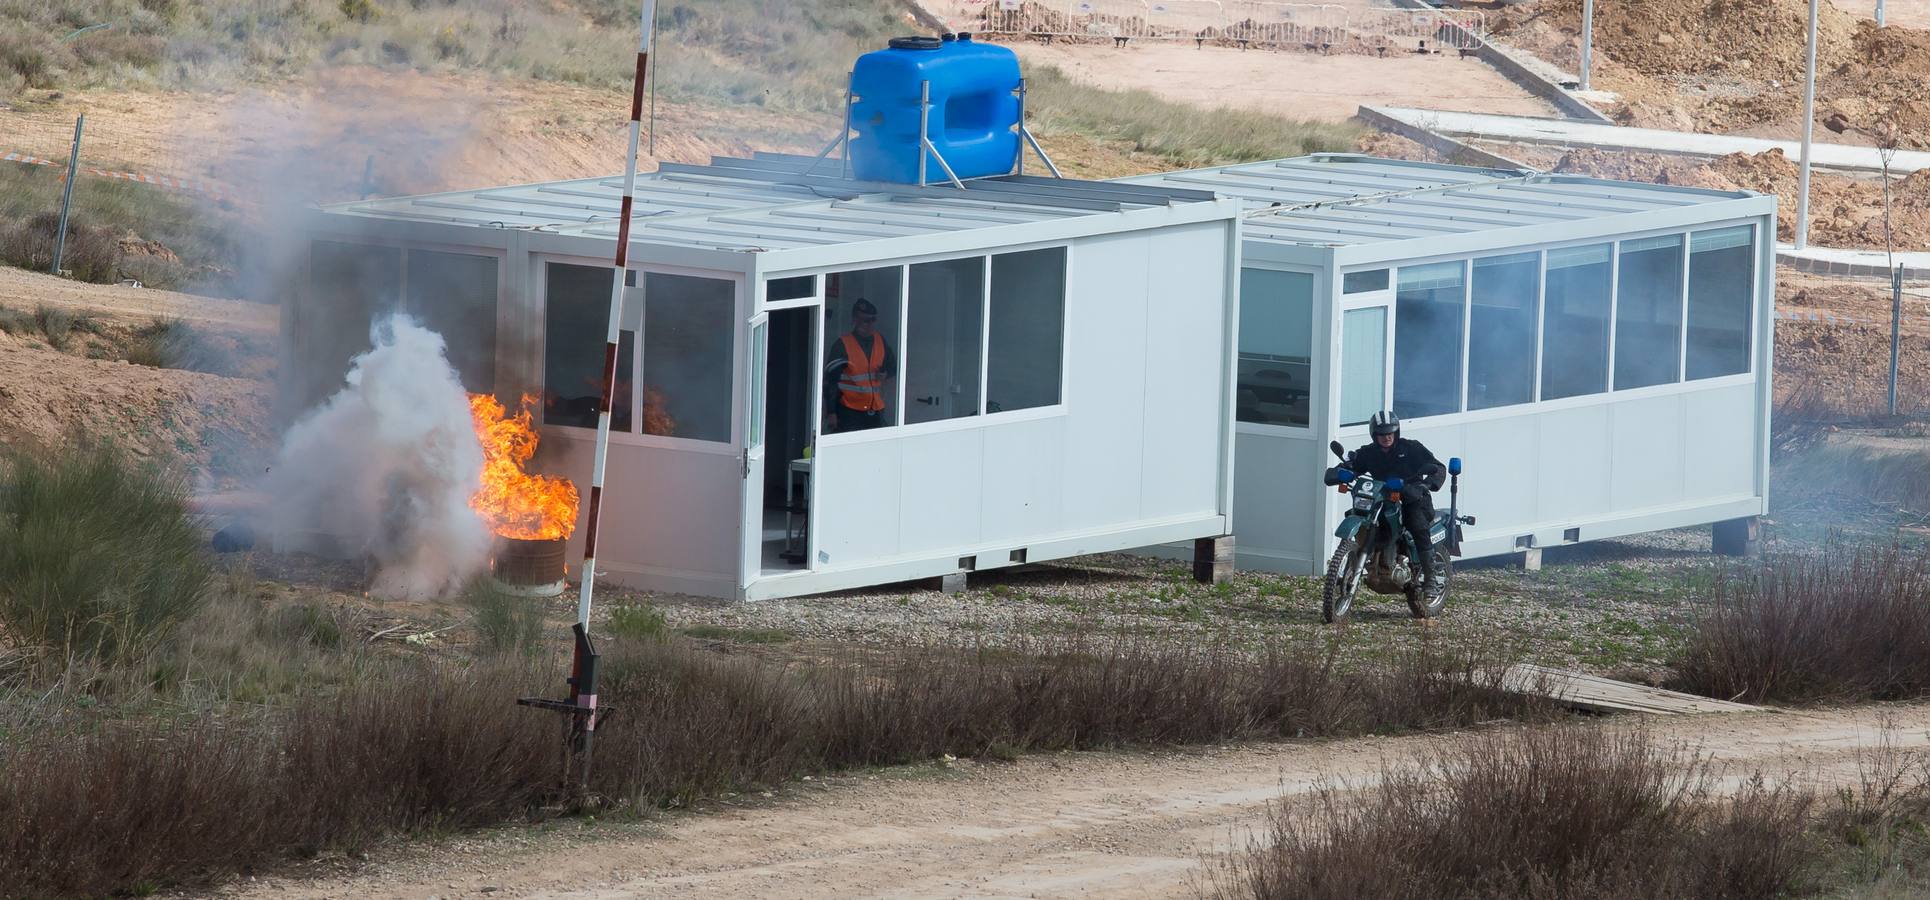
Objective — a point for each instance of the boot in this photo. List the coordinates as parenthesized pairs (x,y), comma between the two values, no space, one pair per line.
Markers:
(1431,579)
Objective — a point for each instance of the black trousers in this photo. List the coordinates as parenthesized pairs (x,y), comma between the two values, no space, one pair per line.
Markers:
(852,420)
(1417,516)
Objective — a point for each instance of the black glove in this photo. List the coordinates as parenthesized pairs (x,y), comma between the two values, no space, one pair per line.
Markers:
(1434,477)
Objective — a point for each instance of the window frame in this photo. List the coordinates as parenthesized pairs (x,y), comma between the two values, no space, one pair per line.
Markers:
(983,418)
(1346,302)
(740,342)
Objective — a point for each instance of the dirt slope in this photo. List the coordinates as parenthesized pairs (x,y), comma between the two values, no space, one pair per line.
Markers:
(1114,825)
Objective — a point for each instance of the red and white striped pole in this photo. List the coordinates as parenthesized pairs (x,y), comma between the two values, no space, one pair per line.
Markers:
(648,20)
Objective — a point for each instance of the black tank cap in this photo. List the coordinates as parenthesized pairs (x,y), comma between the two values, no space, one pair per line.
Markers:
(920,42)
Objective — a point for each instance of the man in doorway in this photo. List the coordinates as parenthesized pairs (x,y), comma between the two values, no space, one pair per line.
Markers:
(1393,456)
(857,374)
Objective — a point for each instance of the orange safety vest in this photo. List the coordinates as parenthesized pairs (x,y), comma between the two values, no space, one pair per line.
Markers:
(861,386)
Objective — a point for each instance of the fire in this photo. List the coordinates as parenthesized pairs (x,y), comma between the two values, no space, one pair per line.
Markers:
(515,503)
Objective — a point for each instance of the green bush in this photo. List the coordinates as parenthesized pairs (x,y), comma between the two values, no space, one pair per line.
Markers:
(504,621)
(98,559)
(635,621)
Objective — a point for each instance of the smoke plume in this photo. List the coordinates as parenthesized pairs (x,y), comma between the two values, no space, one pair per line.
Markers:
(388,464)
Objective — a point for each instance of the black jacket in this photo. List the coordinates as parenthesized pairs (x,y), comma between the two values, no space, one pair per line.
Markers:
(1407,460)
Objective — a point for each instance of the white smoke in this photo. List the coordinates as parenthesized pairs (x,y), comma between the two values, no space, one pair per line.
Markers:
(389,464)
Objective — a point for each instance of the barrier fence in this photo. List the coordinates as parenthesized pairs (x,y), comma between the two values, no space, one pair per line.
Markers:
(1243,23)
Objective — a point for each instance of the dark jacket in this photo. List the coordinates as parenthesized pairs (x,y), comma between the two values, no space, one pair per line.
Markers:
(1407,460)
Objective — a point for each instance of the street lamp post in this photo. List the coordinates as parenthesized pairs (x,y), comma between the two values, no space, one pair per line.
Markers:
(1809,133)
(1588,39)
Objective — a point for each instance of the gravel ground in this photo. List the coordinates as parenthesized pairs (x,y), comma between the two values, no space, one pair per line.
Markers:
(1617,608)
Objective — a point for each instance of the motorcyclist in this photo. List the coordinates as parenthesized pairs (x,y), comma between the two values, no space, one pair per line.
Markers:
(1393,456)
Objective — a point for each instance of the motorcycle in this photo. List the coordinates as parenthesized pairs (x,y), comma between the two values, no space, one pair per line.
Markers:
(1376,549)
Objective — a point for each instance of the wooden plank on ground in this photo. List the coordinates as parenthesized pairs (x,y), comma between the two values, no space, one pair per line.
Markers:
(1589,692)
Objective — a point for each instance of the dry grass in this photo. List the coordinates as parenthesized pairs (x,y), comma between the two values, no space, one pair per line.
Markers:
(410,745)
(1851,624)
(1566,812)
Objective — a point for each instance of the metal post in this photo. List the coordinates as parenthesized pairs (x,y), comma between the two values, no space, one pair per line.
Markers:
(1588,40)
(1896,329)
(842,140)
(67,194)
(1809,133)
(653,89)
(924,127)
(1879,13)
(1021,170)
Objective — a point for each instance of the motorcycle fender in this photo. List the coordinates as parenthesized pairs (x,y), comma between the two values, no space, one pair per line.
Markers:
(1349,526)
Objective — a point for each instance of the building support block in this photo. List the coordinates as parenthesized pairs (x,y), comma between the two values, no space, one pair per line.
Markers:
(1531,559)
(1737,537)
(1213,559)
(950,584)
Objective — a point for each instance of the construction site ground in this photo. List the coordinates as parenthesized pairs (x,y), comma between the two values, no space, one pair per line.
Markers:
(1292,83)
(1152,824)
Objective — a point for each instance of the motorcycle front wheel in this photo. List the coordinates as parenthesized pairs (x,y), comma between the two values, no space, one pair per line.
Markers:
(1343,579)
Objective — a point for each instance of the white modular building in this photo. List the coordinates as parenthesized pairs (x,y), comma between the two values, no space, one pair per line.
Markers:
(1057,373)
(1597,352)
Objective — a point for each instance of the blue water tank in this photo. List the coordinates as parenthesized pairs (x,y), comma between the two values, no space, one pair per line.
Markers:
(974,115)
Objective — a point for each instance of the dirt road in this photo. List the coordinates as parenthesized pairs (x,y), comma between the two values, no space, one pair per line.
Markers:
(1113,825)
(1295,85)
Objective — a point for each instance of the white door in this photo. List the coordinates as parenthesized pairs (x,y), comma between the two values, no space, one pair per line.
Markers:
(753,484)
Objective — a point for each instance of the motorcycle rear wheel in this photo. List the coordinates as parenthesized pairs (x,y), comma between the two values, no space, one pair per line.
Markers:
(1343,580)
(1417,599)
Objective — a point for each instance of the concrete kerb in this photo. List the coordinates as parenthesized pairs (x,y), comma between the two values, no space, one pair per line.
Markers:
(1520,72)
(1454,151)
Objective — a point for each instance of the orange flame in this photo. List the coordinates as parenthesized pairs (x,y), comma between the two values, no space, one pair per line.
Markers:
(515,503)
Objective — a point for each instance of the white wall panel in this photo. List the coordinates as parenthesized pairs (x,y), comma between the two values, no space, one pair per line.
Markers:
(1186,334)
(673,510)
(1106,362)
(857,495)
(1022,478)
(1648,454)
(1574,460)
(938,508)
(1502,462)
(1276,510)
(1721,441)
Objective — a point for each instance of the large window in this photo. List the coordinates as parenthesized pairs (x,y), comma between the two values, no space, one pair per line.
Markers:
(861,311)
(576,319)
(1276,346)
(1501,330)
(349,284)
(1026,340)
(454,294)
(1721,281)
(1574,330)
(1428,304)
(1648,312)
(944,330)
(1363,363)
(688,327)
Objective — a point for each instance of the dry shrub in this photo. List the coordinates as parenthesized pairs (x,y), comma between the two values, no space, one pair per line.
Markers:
(132,806)
(157,803)
(1565,812)
(1849,624)
(92,253)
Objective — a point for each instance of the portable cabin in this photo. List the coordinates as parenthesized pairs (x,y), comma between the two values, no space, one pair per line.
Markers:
(1063,353)
(1598,352)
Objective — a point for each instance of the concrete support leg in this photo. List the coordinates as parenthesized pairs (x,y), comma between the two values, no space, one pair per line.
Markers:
(1738,537)
(950,584)
(1531,559)
(1213,559)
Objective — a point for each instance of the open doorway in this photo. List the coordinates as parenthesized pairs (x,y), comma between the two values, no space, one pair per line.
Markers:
(790,378)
